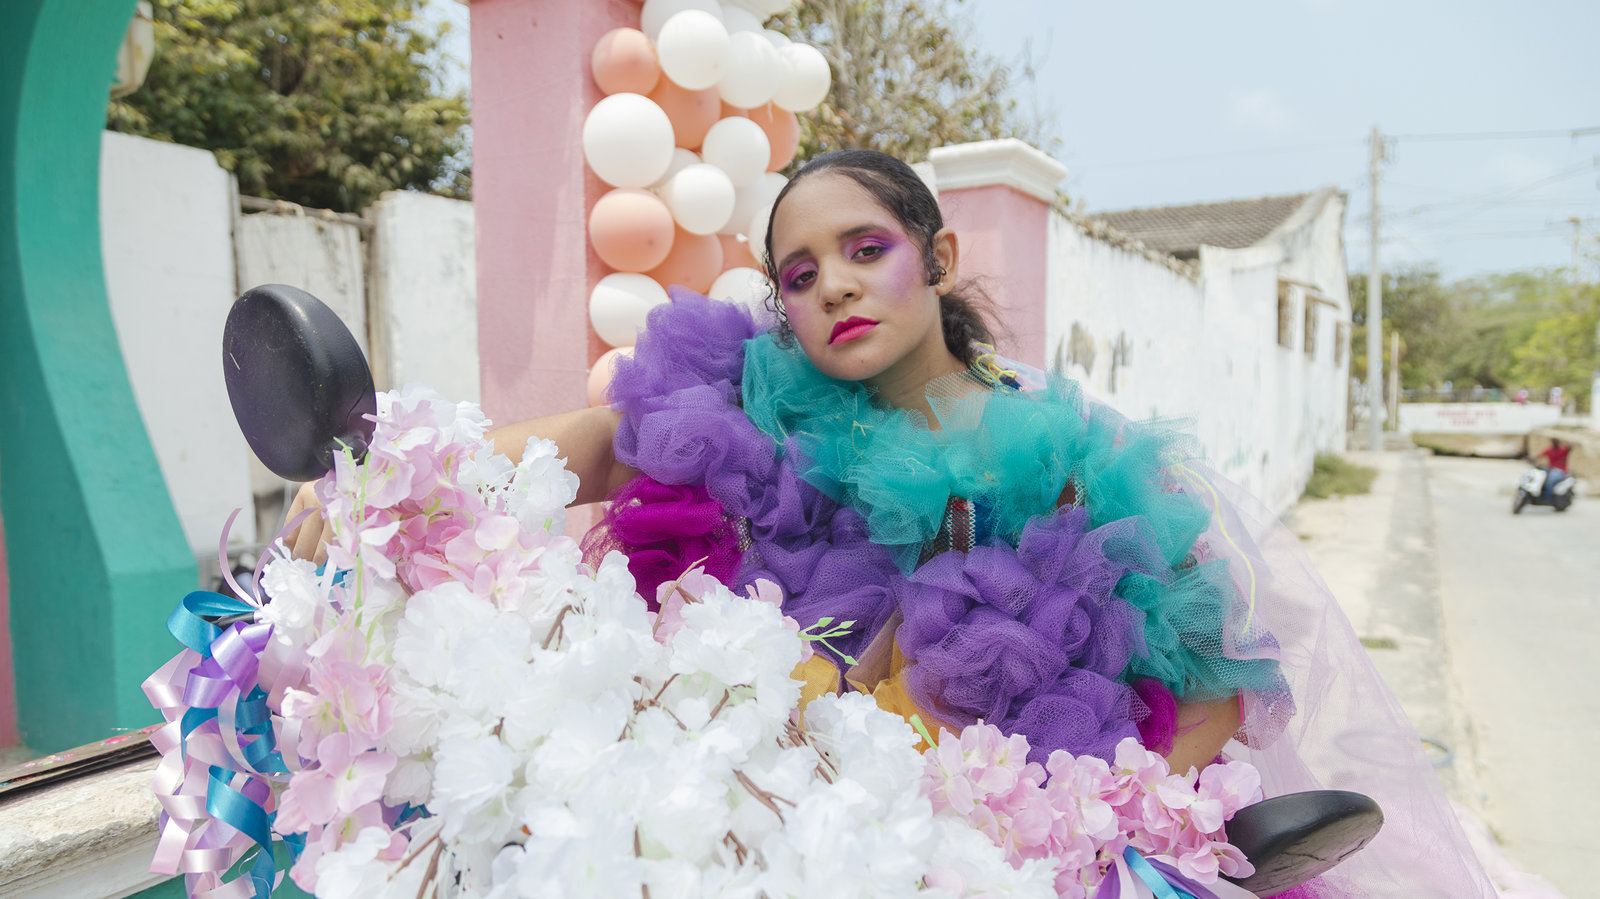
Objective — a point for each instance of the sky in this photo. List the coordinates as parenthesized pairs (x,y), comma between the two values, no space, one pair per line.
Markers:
(1163,103)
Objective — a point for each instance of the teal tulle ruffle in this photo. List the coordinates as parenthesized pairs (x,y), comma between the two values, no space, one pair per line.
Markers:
(1012,454)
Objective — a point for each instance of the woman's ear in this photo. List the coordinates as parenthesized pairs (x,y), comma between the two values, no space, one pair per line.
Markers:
(948,252)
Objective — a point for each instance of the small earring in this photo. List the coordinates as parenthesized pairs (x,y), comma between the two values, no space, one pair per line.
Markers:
(938,276)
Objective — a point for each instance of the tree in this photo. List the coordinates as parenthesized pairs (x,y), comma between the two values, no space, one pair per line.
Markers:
(326,104)
(903,81)
(1561,350)
(1499,313)
(1418,307)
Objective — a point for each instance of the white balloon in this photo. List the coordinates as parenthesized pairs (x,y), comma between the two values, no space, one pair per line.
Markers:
(681,159)
(770,184)
(701,198)
(739,147)
(750,200)
(627,140)
(656,13)
(766,8)
(745,286)
(754,70)
(756,231)
(807,79)
(693,49)
(619,303)
(777,39)
(739,18)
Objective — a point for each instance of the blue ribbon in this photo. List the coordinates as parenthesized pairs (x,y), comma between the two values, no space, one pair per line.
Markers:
(188,624)
(252,720)
(1152,878)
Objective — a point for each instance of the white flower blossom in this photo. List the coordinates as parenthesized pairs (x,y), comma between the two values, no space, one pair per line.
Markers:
(559,742)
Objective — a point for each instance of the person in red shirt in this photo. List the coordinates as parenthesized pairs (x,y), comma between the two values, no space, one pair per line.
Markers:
(1556,455)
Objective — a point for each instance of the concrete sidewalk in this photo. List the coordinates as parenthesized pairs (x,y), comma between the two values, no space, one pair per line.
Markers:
(1378,555)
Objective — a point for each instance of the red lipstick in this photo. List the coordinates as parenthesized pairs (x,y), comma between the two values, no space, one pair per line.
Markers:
(851,328)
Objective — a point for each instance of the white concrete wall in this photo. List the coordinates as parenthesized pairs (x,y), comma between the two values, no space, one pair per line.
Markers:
(1203,350)
(1476,418)
(323,257)
(174,265)
(167,240)
(427,285)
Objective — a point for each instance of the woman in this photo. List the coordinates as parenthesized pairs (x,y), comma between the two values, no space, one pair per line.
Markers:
(973,550)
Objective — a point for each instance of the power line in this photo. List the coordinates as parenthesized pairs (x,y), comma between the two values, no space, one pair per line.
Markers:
(1224,154)
(1497,135)
(1495,197)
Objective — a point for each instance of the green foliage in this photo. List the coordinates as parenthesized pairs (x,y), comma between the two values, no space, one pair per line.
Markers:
(1418,307)
(1530,329)
(1561,350)
(904,80)
(1332,475)
(1500,313)
(326,104)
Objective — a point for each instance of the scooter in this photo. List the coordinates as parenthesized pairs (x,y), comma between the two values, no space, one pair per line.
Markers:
(1531,489)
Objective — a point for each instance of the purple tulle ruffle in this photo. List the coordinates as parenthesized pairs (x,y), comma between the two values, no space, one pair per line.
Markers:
(1032,640)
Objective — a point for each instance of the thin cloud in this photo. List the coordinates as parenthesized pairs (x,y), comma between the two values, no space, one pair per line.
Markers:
(1261,110)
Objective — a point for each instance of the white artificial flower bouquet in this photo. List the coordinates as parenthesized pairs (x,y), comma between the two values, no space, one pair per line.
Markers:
(456,705)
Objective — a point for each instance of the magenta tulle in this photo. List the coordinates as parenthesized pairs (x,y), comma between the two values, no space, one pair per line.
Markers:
(1157,729)
(664,528)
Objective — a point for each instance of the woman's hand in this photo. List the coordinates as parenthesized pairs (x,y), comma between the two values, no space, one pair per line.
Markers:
(310,539)
(1203,728)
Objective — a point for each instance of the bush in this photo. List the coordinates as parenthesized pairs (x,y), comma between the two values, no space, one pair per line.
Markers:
(1332,475)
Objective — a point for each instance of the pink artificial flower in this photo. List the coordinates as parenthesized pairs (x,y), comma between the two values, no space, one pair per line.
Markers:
(341,694)
(304,871)
(344,779)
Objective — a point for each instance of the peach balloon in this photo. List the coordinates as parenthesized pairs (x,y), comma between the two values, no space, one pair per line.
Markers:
(600,375)
(782,128)
(624,60)
(692,113)
(631,230)
(736,253)
(695,261)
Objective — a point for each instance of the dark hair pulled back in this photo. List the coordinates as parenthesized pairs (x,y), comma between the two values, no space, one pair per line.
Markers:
(900,191)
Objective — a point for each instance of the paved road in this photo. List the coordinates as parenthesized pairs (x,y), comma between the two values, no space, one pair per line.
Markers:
(1521,601)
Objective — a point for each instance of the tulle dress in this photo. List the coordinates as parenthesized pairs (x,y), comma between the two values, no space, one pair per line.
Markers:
(1034,560)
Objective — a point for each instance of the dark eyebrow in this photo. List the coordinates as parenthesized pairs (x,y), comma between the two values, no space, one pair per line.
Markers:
(842,235)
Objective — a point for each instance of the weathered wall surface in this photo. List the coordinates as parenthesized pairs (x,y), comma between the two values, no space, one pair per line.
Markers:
(1476,418)
(166,233)
(1199,343)
(427,298)
(176,257)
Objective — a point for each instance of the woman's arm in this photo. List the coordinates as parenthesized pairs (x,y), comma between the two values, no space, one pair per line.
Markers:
(583,438)
(1203,728)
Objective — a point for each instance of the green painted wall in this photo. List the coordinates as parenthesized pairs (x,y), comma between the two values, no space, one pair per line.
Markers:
(96,555)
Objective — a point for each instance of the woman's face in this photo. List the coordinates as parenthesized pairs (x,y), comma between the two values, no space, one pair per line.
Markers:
(855,288)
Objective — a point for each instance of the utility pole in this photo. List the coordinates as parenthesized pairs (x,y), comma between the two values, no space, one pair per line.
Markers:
(1394,380)
(1577,235)
(1375,313)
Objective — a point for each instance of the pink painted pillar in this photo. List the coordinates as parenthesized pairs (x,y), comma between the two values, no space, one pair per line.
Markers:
(8,676)
(996,196)
(532,193)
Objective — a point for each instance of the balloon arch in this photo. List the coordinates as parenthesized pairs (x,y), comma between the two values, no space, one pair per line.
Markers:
(697,121)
